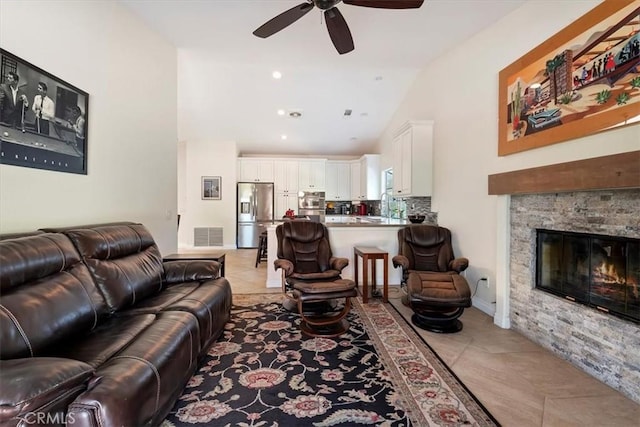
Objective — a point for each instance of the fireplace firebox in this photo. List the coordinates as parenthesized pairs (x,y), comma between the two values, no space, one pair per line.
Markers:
(595,270)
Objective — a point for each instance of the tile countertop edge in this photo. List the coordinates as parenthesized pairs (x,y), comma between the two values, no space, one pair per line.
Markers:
(383,223)
(396,223)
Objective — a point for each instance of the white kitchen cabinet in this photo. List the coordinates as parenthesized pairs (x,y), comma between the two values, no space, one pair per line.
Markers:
(370,176)
(356,193)
(413,159)
(365,178)
(311,175)
(338,180)
(255,170)
(286,176)
(284,202)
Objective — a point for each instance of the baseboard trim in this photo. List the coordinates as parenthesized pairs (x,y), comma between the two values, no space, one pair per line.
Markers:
(486,307)
(274,283)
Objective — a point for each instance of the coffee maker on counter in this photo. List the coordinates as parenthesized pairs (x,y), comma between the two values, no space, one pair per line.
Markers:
(362,209)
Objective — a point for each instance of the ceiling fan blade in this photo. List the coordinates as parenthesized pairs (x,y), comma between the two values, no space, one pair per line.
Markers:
(283,20)
(386,4)
(338,30)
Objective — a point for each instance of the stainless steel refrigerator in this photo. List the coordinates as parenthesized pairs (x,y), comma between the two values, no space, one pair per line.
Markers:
(255,212)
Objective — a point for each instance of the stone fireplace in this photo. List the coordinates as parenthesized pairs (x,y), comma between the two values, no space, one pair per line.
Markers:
(605,346)
(595,270)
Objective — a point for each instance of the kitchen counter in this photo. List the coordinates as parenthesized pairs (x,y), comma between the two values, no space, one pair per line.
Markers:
(346,232)
(362,221)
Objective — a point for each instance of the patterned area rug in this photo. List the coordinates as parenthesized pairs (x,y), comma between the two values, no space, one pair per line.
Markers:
(262,372)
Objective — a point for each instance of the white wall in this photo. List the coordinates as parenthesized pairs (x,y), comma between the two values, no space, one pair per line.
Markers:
(206,158)
(459,92)
(130,74)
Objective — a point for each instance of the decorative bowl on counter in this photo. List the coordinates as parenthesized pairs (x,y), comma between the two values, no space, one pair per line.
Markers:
(416,219)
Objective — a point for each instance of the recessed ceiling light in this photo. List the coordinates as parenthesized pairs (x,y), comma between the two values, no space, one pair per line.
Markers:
(283,136)
(353,138)
(281,112)
(295,114)
(277,75)
(364,114)
(378,78)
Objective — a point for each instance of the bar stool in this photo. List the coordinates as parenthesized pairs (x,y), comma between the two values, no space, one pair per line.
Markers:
(262,248)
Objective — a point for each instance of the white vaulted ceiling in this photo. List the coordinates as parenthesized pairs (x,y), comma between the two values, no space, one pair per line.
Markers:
(226,91)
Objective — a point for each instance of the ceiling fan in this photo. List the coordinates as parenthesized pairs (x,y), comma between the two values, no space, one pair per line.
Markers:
(336,25)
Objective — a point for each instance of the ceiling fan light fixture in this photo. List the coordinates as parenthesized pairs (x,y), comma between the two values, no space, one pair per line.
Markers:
(336,24)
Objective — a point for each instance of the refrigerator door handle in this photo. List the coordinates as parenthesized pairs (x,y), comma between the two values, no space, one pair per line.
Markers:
(254,205)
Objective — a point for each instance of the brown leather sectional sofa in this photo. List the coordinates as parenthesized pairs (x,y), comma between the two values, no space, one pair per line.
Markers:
(96,330)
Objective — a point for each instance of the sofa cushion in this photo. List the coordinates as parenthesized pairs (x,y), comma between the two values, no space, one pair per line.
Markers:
(48,295)
(123,259)
(211,304)
(106,340)
(39,384)
(158,302)
(140,384)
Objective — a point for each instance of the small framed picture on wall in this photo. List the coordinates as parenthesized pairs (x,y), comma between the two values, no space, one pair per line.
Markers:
(211,188)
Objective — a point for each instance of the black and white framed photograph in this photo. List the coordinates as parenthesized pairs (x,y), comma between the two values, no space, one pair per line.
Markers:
(211,188)
(43,119)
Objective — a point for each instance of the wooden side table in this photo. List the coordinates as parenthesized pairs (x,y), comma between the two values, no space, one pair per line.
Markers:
(199,256)
(370,253)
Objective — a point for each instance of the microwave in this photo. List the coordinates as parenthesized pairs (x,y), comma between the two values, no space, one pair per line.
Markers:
(311,200)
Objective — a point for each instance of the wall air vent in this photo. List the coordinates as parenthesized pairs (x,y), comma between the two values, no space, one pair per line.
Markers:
(347,113)
(207,236)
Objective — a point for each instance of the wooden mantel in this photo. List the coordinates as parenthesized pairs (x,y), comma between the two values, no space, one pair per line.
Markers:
(616,171)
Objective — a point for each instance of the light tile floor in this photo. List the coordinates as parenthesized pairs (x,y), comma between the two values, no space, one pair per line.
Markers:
(518,381)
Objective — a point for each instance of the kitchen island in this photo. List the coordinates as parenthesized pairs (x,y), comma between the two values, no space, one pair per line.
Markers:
(345,232)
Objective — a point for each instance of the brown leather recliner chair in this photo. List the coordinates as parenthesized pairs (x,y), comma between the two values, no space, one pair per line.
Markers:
(436,291)
(311,277)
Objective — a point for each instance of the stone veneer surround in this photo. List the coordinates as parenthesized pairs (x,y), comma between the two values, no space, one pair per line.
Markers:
(602,345)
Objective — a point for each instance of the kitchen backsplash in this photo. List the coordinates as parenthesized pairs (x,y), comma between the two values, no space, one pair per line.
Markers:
(413,205)
(421,206)
(349,208)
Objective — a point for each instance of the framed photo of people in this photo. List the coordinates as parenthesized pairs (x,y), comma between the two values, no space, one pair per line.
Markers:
(582,80)
(43,119)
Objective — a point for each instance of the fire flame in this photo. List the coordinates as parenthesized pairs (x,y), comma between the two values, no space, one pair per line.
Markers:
(607,273)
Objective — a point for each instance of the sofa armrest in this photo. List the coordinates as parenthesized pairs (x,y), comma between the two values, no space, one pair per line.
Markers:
(337,263)
(187,271)
(32,383)
(285,265)
(459,264)
(400,261)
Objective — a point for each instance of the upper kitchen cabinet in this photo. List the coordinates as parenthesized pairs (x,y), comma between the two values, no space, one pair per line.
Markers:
(284,202)
(370,176)
(255,170)
(413,159)
(311,175)
(365,178)
(338,180)
(286,176)
(356,191)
